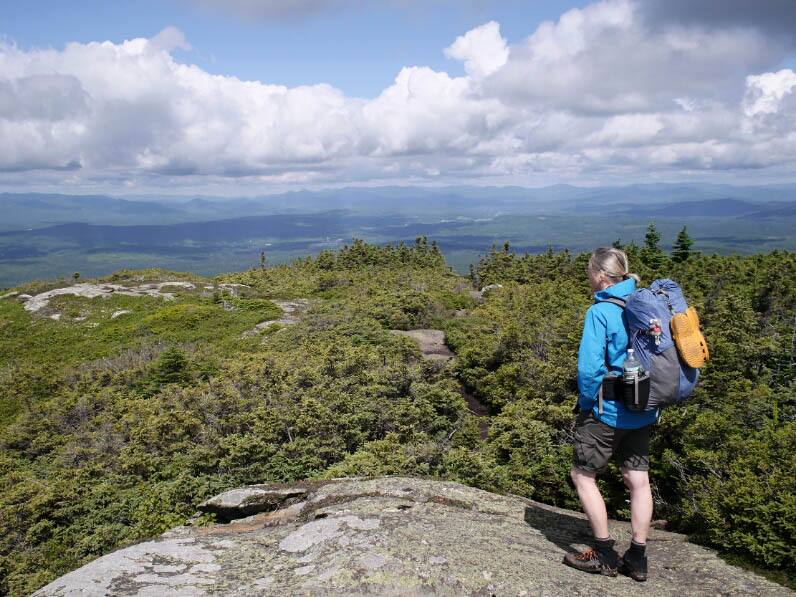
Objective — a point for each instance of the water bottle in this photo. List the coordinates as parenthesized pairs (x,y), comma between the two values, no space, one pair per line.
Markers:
(631,368)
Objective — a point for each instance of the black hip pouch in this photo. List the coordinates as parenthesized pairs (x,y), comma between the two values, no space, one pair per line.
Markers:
(633,396)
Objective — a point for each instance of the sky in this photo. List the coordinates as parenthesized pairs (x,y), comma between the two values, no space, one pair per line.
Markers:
(246,97)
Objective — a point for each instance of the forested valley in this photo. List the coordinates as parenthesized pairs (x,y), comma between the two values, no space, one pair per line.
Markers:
(121,415)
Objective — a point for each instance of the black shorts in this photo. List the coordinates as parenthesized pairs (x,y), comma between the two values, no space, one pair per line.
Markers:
(595,443)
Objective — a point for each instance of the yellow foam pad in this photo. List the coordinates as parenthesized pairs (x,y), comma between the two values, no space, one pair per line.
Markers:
(688,338)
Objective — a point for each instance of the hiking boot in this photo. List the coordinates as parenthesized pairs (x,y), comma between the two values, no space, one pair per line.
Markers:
(633,566)
(589,561)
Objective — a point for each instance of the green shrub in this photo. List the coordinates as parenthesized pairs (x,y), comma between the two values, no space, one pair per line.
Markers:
(115,431)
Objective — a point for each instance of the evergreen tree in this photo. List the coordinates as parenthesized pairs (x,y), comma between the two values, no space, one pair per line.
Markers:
(171,366)
(651,253)
(652,238)
(632,251)
(682,246)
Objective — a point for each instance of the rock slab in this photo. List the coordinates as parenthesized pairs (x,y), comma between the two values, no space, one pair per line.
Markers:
(243,502)
(399,536)
(89,290)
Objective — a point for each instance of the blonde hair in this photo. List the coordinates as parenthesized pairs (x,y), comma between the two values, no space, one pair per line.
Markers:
(612,262)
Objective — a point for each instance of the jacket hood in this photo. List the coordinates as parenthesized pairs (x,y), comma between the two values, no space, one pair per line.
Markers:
(620,290)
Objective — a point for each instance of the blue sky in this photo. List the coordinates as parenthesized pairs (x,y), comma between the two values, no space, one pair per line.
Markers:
(245,97)
(356,50)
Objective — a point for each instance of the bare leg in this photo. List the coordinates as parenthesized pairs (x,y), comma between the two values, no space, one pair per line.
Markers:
(640,503)
(592,501)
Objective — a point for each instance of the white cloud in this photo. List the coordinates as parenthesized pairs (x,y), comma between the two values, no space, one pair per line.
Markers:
(764,92)
(168,39)
(598,93)
(769,107)
(628,129)
(425,112)
(604,59)
(482,50)
(51,97)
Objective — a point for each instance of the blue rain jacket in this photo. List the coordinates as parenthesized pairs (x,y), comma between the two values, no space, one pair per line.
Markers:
(605,341)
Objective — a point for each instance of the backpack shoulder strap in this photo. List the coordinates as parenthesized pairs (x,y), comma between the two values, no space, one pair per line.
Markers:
(621,304)
(614,301)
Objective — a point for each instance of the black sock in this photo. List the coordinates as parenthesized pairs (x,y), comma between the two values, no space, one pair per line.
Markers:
(605,549)
(637,550)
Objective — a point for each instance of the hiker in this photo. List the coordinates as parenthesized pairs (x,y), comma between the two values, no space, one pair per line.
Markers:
(608,429)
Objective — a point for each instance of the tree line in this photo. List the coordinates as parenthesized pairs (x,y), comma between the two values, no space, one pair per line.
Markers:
(112,433)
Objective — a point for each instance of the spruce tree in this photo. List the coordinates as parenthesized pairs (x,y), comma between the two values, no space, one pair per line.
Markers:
(652,238)
(682,246)
(651,253)
(171,367)
(632,251)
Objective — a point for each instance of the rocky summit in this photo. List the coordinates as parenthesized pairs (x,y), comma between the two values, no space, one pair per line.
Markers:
(391,536)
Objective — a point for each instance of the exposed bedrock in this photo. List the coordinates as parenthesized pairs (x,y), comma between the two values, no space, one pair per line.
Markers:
(394,536)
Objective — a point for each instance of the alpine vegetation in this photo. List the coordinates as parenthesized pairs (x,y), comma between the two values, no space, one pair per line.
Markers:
(121,413)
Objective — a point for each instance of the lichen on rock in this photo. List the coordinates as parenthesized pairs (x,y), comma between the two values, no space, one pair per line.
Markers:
(397,536)
(238,503)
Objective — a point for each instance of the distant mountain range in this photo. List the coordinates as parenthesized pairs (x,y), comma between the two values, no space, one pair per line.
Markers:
(23,211)
(711,207)
(47,236)
(277,226)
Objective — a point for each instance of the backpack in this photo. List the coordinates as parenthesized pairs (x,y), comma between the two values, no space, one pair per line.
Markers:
(653,314)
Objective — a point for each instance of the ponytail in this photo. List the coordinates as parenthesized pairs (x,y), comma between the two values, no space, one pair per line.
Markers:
(613,262)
